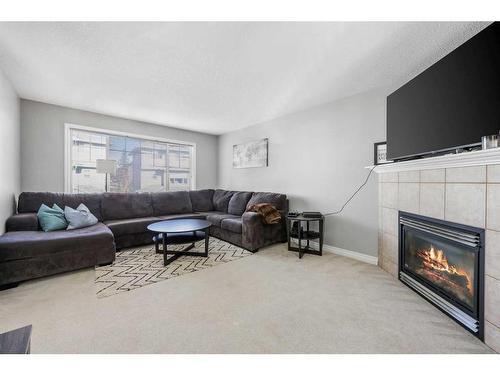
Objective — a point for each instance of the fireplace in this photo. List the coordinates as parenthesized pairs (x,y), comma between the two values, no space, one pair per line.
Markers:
(444,263)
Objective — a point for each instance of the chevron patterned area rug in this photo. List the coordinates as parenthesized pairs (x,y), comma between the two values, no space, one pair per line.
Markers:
(138,267)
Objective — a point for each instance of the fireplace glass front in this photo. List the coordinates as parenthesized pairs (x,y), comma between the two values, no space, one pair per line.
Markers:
(447,266)
(443,262)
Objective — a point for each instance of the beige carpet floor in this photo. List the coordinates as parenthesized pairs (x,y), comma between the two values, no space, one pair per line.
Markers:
(270,302)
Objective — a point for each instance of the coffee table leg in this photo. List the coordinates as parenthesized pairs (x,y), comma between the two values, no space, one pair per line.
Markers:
(164,249)
(206,242)
(194,243)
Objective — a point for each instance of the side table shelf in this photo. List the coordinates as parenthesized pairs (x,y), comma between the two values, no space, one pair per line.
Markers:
(304,234)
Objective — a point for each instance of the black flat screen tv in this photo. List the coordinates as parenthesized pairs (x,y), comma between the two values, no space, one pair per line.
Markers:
(450,105)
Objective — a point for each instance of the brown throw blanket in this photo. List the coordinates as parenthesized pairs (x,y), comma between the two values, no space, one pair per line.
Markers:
(269,213)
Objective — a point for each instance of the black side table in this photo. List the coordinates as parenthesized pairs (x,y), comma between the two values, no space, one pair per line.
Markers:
(299,233)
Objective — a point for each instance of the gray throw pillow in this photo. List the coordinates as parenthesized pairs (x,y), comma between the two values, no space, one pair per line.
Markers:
(79,218)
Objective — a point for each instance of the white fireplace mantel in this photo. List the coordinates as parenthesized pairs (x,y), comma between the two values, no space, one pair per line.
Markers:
(464,159)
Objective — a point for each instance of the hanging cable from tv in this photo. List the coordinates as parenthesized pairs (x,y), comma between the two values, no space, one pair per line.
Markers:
(354,194)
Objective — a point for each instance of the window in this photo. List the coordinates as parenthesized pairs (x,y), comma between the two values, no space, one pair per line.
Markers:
(142,163)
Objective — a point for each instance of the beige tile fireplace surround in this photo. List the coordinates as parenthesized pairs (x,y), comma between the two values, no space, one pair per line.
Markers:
(462,188)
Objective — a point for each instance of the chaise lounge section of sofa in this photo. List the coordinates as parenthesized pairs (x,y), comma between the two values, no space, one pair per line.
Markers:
(26,252)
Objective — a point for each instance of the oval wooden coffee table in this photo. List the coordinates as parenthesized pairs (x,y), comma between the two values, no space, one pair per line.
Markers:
(180,231)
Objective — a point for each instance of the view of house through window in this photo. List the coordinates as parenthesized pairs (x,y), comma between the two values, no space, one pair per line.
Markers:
(141,164)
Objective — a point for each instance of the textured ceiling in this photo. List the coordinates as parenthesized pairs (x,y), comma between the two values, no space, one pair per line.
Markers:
(216,77)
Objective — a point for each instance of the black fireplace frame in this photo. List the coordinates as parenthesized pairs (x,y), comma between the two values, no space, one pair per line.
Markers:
(479,270)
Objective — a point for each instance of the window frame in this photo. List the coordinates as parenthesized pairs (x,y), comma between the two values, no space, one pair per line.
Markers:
(68,127)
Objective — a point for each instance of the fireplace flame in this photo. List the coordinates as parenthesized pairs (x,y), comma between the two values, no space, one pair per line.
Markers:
(436,259)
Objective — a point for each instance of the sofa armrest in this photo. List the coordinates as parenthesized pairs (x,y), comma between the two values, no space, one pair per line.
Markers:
(22,222)
(252,230)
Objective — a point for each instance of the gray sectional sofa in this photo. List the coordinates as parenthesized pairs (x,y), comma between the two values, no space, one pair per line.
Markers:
(26,252)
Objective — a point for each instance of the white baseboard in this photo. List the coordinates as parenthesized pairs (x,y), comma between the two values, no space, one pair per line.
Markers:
(370,259)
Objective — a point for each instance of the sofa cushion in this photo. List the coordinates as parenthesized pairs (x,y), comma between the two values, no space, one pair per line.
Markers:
(238,202)
(215,218)
(221,199)
(126,205)
(201,200)
(136,225)
(172,202)
(232,224)
(277,200)
(183,216)
(31,201)
(36,244)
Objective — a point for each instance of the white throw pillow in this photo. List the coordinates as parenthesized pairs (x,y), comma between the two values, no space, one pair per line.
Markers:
(79,218)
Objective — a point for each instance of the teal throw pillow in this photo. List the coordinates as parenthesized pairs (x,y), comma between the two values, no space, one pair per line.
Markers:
(51,219)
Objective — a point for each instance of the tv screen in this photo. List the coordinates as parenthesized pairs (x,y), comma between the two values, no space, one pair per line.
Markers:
(451,104)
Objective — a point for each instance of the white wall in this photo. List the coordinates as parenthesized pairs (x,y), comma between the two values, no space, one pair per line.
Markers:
(10,154)
(317,157)
(42,134)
